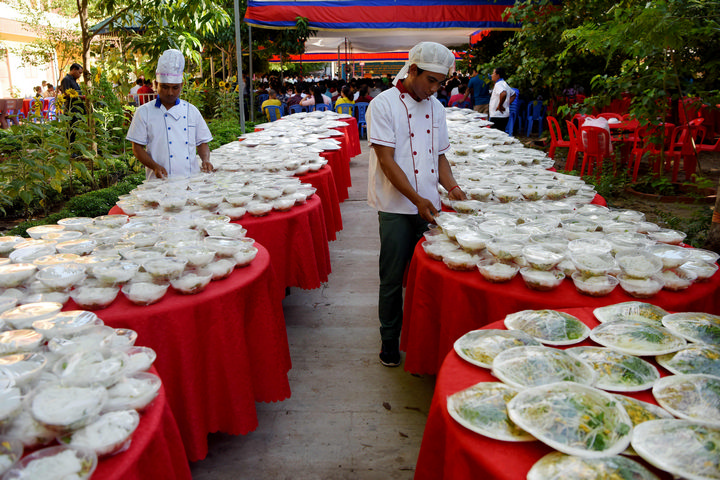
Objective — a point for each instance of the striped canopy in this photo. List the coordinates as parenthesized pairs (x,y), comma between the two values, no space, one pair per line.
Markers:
(383,25)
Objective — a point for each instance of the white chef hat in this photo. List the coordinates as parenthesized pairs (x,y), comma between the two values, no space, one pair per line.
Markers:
(170,67)
(428,56)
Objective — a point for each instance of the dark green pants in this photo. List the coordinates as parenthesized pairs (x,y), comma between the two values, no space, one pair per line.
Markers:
(399,234)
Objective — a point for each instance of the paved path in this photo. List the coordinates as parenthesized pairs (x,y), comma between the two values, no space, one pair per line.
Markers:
(348,417)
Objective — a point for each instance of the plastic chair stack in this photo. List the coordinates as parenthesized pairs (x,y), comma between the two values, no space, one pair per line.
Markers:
(596,148)
(535,113)
(576,146)
(362,123)
(556,139)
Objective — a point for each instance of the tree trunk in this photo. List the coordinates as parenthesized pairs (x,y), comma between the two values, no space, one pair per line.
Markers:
(713,238)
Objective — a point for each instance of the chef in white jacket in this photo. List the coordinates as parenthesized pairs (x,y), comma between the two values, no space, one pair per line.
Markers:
(408,135)
(168,134)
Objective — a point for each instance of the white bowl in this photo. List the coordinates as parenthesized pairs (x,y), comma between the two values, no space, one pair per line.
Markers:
(107,435)
(15,274)
(672,256)
(677,279)
(55,259)
(19,341)
(116,272)
(63,236)
(219,269)
(641,287)
(639,264)
(542,280)
(139,359)
(93,367)
(283,204)
(595,285)
(31,252)
(232,230)
(165,268)
(703,271)
(589,263)
(24,315)
(190,283)
(194,256)
(245,256)
(7,302)
(133,392)
(71,462)
(143,293)
(667,235)
(8,242)
(94,298)
(142,239)
(67,324)
(224,246)
(40,230)
(65,408)
(497,272)
(61,276)
(259,209)
(542,257)
(111,221)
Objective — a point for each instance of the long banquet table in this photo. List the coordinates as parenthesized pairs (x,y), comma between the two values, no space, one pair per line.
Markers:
(155,451)
(218,351)
(450,451)
(324,182)
(441,305)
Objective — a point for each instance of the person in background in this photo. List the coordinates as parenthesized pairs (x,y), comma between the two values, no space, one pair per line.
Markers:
(364,96)
(146,92)
(168,133)
(376,89)
(293,97)
(461,99)
(315,99)
(37,92)
(409,138)
(480,92)
(50,91)
(134,90)
(272,100)
(345,98)
(74,104)
(500,99)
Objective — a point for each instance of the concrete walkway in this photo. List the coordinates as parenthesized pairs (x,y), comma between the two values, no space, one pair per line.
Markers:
(348,417)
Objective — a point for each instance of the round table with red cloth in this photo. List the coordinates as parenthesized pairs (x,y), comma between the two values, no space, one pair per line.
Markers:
(324,182)
(451,451)
(156,449)
(441,305)
(352,135)
(297,241)
(218,351)
(341,172)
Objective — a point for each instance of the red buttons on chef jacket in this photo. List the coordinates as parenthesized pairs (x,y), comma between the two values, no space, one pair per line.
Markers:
(412,134)
(416,171)
(414,153)
(427,116)
(428,131)
(432,171)
(402,96)
(409,115)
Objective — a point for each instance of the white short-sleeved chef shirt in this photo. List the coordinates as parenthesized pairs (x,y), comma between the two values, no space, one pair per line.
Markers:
(418,133)
(170,136)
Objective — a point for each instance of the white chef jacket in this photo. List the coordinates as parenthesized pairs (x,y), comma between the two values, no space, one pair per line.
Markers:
(171,137)
(500,86)
(418,133)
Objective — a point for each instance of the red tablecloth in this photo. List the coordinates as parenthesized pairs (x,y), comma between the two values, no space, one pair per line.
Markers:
(219,351)
(352,135)
(297,241)
(441,305)
(324,181)
(156,449)
(341,172)
(450,451)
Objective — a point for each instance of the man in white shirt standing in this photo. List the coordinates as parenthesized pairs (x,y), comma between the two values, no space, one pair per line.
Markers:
(168,133)
(500,99)
(408,135)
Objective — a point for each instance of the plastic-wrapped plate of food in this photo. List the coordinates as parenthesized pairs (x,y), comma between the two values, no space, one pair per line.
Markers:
(697,327)
(637,338)
(480,347)
(55,463)
(133,392)
(63,408)
(482,409)
(698,358)
(107,435)
(532,365)
(560,466)
(548,326)
(636,311)
(684,449)
(691,397)
(617,371)
(641,412)
(573,419)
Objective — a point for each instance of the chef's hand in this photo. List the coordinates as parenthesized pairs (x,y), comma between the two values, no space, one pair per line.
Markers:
(457,194)
(426,209)
(206,167)
(159,171)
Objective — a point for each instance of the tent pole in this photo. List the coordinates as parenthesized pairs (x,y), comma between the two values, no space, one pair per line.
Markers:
(251,87)
(238,46)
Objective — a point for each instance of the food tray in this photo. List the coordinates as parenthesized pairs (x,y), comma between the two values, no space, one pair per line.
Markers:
(636,338)
(530,366)
(617,371)
(480,347)
(691,397)
(548,326)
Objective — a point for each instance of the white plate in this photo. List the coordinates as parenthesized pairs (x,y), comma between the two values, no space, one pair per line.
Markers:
(694,326)
(635,311)
(559,466)
(617,371)
(691,397)
(531,366)
(637,338)
(549,326)
(699,358)
(684,449)
(480,347)
(572,418)
(482,409)
(641,412)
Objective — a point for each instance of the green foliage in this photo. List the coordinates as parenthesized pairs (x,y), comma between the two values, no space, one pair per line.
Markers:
(696,227)
(90,204)
(610,184)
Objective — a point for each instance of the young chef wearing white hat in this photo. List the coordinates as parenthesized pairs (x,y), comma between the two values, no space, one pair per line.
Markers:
(167,133)
(409,138)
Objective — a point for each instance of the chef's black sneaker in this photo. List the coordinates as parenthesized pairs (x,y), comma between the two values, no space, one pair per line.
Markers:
(390,354)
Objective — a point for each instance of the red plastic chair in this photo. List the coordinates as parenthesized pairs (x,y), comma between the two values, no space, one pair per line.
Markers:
(556,139)
(579,118)
(597,147)
(575,146)
(646,142)
(683,146)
